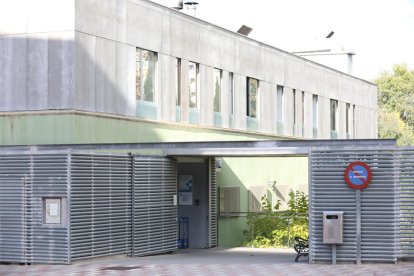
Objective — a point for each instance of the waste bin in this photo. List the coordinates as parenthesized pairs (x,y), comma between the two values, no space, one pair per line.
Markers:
(333,227)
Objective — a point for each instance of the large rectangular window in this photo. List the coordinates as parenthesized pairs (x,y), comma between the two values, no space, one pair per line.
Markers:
(193,74)
(217,90)
(251,97)
(334,118)
(145,74)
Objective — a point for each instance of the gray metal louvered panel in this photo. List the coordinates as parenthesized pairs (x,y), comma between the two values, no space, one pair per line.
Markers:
(100,205)
(27,179)
(406,201)
(329,192)
(213,204)
(154,215)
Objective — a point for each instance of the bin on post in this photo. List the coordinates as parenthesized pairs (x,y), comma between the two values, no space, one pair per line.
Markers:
(333,230)
(333,227)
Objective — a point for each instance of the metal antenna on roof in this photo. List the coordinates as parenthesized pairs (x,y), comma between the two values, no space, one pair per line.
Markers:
(192,5)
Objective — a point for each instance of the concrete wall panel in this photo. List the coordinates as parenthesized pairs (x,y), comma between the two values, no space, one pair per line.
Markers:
(96,17)
(85,71)
(144,31)
(13,73)
(288,112)
(341,120)
(37,71)
(272,66)
(131,103)
(314,79)
(185,98)
(206,95)
(239,101)
(105,75)
(220,57)
(324,127)
(308,127)
(225,99)
(184,39)
(294,73)
(121,15)
(331,86)
(249,57)
(168,88)
(61,67)
(267,105)
(120,97)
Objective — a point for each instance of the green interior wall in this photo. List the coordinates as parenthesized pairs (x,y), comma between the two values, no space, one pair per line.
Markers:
(246,172)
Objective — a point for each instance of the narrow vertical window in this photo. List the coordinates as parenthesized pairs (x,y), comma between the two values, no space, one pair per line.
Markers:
(251,96)
(334,118)
(217,90)
(145,75)
(280,105)
(231,89)
(178,80)
(315,115)
(294,108)
(353,122)
(193,74)
(303,113)
(347,121)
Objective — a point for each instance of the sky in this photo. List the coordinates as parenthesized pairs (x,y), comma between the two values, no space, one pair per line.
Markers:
(380,32)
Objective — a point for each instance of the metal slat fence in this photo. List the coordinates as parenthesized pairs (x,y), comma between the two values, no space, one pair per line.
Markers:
(373,237)
(100,205)
(154,215)
(25,180)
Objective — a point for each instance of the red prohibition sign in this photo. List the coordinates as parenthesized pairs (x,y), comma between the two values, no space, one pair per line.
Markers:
(358,175)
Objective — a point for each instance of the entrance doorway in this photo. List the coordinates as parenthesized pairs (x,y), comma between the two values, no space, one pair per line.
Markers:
(193,200)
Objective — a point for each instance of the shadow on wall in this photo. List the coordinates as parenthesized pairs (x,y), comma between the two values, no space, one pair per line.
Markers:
(252,178)
(55,72)
(231,226)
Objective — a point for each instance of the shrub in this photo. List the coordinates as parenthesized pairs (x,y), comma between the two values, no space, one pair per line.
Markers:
(275,228)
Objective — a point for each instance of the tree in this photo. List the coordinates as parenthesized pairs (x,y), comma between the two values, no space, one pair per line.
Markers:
(396,105)
(392,126)
(396,92)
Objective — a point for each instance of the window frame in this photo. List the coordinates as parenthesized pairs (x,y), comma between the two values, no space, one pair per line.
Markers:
(140,93)
(249,106)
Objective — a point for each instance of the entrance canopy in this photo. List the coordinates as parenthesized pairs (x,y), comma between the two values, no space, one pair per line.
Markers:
(217,148)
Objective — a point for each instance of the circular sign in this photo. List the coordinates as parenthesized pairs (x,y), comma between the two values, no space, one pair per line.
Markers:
(358,175)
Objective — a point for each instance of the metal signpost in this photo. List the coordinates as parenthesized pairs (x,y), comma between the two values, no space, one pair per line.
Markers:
(358,175)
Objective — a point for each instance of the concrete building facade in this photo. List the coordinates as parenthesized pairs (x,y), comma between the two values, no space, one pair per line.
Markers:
(121,71)
(59,55)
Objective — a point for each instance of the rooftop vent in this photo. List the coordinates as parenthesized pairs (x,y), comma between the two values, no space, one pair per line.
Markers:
(244,30)
(176,4)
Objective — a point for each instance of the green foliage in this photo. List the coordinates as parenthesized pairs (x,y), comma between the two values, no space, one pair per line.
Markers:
(392,126)
(396,103)
(275,228)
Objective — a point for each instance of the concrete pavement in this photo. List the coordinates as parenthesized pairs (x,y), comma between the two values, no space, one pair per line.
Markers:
(216,261)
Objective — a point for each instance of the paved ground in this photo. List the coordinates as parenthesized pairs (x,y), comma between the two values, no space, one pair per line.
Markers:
(218,261)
